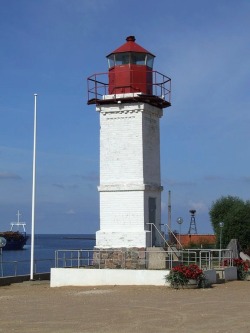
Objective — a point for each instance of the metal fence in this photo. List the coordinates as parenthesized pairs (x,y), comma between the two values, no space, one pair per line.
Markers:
(204,258)
(22,267)
(73,258)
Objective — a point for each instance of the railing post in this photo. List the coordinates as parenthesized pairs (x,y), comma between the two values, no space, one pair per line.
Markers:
(78,258)
(15,267)
(64,260)
(1,255)
(56,259)
(171,260)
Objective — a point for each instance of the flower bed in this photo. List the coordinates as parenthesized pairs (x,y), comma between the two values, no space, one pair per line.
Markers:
(180,276)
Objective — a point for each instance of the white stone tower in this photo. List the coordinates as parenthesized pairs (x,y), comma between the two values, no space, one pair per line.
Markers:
(130,105)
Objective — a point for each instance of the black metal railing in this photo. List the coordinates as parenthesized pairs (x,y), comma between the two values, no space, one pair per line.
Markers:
(99,85)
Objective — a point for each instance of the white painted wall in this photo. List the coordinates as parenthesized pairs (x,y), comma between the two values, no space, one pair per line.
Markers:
(121,147)
(100,277)
(151,147)
(61,277)
(121,239)
(122,210)
(129,173)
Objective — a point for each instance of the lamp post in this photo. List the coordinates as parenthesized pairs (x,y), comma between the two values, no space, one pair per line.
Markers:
(221,225)
(179,221)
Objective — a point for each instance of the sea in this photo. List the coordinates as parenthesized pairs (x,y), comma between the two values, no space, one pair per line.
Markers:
(13,263)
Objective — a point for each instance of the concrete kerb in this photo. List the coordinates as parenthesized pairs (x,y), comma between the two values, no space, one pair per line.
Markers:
(99,277)
(4,281)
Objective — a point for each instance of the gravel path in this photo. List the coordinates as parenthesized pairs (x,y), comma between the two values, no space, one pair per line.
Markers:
(35,307)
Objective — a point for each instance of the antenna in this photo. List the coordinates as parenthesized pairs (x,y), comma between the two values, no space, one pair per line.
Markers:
(169,215)
(192,227)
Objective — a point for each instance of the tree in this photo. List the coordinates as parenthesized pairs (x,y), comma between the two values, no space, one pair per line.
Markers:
(235,214)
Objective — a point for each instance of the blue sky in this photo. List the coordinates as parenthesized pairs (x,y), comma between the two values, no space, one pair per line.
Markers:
(50,47)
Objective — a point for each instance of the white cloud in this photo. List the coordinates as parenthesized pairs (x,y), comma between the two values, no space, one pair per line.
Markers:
(71,212)
(9,175)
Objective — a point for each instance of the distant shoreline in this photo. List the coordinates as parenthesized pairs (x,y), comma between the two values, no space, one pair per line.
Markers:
(89,238)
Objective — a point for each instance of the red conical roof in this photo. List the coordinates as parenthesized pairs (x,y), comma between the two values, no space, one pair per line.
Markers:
(130,46)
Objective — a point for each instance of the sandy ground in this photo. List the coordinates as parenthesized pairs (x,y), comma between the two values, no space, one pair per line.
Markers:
(35,307)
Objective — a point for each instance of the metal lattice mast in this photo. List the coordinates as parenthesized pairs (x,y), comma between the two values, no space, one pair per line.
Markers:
(192,226)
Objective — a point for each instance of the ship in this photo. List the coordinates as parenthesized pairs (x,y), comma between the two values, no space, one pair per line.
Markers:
(15,239)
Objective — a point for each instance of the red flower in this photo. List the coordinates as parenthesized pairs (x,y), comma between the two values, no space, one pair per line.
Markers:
(191,271)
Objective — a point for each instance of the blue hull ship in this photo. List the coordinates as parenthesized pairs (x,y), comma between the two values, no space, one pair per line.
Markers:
(15,240)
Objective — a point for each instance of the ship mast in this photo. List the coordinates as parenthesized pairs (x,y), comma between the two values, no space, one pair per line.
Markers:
(18,223)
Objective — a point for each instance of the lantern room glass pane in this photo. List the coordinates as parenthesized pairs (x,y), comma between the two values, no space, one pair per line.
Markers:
(150,61)
(111,60)
(121,58)
(138,58)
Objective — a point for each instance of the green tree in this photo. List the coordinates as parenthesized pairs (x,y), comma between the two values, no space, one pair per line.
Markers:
(235,214)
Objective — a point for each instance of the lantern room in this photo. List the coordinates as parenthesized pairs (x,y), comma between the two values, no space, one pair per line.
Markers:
(130,78)
(130,69)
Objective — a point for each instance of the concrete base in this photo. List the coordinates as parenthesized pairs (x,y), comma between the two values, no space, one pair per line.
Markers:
(61,277)
(120,258)
(156,258)
(211,276)
(101,277)
(226,274)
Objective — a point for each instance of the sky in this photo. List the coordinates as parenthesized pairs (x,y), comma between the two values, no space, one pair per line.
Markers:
(50,47)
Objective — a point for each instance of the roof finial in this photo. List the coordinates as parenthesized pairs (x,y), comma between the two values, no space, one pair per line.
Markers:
(130,39)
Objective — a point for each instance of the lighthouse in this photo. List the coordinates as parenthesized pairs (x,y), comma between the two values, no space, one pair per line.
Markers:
(130,99)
